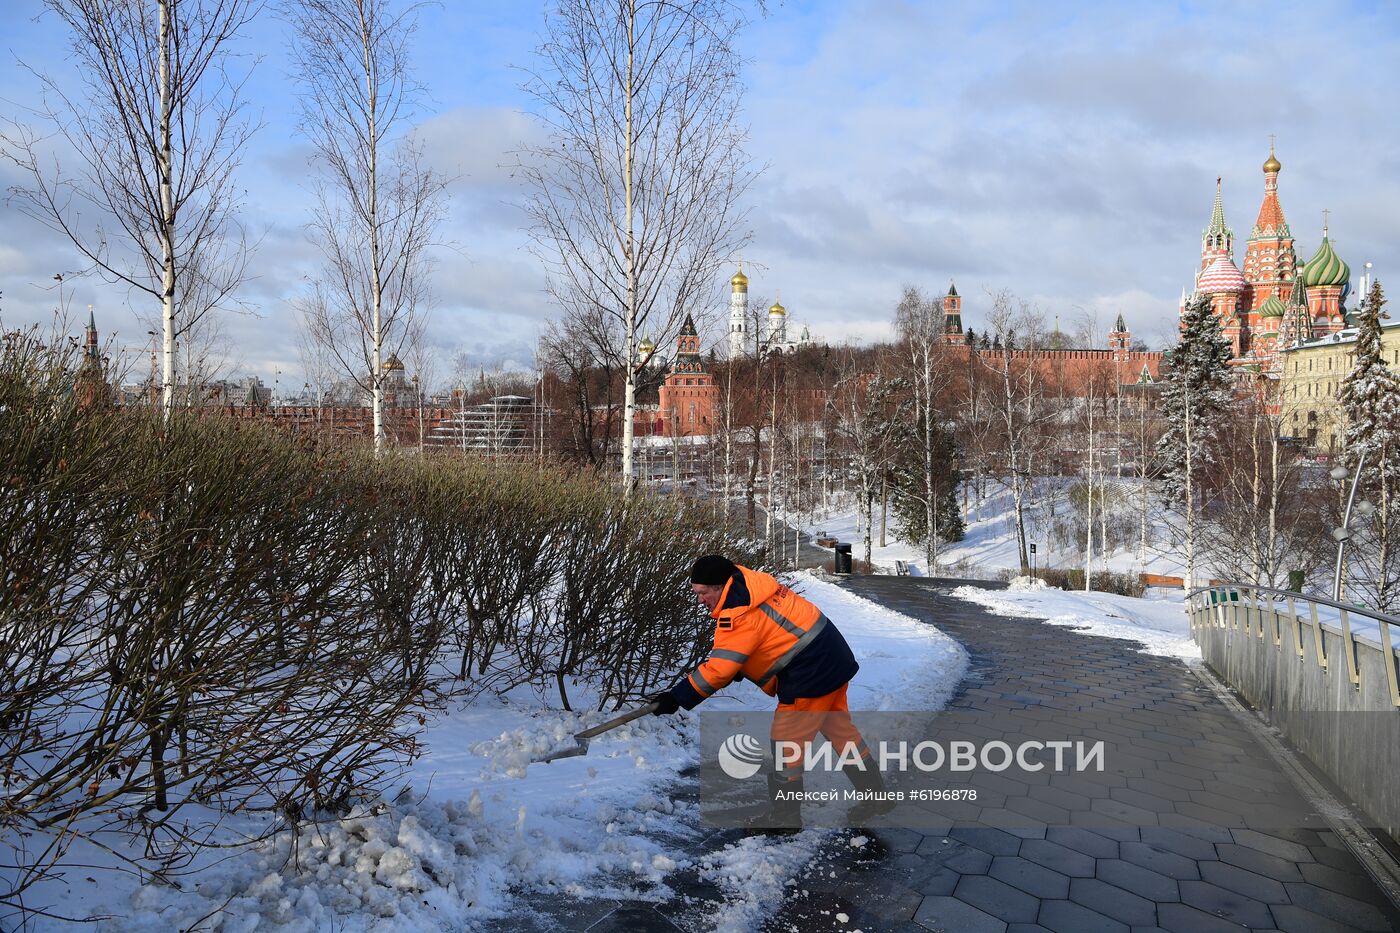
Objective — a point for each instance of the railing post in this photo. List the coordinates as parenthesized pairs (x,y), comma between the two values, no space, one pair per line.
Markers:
(1297,627)
(1389,659)
(1350,645)
(1318,641)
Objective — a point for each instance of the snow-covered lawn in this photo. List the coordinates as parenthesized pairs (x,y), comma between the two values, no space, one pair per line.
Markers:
(478,828)
(1159,624)
(989,544)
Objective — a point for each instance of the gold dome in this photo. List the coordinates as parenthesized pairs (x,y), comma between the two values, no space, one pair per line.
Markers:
(1273,164)
(740,280)
(777,309)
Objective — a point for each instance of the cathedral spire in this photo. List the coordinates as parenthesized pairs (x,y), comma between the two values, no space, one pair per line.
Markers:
(90,341)
(1217,239)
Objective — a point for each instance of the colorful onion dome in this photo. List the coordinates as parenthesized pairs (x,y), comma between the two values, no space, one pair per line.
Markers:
(739,280)
(1221,277)
(1272,308)
(1325,268)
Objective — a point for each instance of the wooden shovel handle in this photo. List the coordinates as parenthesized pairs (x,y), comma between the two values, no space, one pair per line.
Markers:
(614,723)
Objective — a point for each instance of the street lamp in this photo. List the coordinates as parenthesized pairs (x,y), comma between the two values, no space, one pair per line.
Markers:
(1342,534)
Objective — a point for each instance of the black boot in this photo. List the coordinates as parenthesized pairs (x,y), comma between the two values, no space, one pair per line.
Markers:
(784,815)
(871,786)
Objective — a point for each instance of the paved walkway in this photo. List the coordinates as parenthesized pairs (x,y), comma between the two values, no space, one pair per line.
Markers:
(1198,871)
(1191,868)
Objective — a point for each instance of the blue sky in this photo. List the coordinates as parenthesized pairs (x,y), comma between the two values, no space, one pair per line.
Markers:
(1067,152)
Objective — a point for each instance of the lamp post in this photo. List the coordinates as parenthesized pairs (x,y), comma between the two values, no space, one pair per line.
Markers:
(1342,534)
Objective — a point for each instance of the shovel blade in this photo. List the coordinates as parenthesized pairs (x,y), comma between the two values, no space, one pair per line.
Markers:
(580,749)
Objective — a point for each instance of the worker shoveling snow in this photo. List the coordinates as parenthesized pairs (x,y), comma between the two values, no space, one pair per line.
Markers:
(482,830)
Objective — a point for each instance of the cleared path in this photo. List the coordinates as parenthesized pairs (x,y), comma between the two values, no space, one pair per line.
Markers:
(1190,866)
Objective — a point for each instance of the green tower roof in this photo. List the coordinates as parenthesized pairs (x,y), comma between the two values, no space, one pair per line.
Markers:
(1325,268)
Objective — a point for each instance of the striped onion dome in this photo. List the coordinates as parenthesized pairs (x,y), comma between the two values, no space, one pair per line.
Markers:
(1325,268)
(1272,308)
(1221,277)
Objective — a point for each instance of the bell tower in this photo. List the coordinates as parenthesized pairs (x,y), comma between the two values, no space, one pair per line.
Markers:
(738,312)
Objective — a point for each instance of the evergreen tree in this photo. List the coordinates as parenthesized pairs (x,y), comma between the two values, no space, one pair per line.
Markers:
(1195,397)
(1370,400)
(1370,397)
(907,499)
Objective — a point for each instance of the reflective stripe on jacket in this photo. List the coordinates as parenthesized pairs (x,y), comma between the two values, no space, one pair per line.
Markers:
(770,635)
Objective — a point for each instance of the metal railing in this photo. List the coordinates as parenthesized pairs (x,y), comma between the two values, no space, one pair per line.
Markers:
(1259,611)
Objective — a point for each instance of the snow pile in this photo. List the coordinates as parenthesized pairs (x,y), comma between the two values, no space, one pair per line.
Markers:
(755,874)
(1027,585)
(412,865)
(1160,625)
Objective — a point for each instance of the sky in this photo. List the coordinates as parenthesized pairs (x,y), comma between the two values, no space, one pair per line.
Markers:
(1067,152)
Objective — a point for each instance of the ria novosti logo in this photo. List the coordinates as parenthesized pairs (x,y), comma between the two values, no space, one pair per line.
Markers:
(741,756)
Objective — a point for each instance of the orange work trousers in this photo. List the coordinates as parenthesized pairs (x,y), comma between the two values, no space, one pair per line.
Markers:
(800,722)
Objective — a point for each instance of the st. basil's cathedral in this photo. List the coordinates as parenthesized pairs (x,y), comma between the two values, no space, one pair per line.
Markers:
(1276,301)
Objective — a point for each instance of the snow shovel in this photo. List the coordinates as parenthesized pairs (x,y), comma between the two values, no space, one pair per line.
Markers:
(582,737)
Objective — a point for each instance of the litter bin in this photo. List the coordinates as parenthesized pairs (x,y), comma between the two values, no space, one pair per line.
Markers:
(843,558)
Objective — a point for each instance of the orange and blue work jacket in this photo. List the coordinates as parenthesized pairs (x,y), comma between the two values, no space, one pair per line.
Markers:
(768,634)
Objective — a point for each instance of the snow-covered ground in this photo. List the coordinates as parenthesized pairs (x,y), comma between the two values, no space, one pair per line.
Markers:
(989,545)
(478,828)
(1160,623)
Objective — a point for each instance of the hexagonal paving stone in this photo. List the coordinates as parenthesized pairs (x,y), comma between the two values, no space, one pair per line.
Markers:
(1028,876)
(1141,881)
(1060,858)
(1183,918)
(1357,914)
(1112,901)
(1069,917)
(949,914)
(997,898)
(1273,845)
(1221,902)
(1245,883)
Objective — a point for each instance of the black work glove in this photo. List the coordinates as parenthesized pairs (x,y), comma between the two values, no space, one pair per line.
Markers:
(666,703)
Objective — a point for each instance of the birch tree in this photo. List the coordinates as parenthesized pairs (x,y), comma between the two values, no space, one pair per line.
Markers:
(1019,411)
(377,205)
(919,324)
(156,133)
(635,196)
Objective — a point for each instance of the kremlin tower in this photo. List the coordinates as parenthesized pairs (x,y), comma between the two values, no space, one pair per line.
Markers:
(952,316)
(689,395)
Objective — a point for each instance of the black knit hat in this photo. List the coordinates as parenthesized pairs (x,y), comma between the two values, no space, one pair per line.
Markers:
(712,570)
